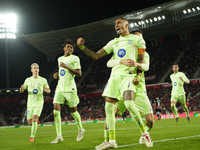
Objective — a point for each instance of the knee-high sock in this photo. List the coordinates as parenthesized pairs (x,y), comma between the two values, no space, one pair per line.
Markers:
(77,117)
(186,109)
(110,119)
(57,119)
(106,135)
(34,128)
(130,105)
(174,110)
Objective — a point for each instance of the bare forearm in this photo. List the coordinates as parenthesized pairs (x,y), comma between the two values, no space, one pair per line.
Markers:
(94,55)
(140,60)
(77,72)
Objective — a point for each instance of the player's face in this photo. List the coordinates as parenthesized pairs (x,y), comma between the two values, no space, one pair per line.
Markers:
(69,49)
(35,69)
(175,68)
(121,26)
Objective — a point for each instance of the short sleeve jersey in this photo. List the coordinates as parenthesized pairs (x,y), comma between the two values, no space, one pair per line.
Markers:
(158,103)
(35,87)
(141,87)
(177,84)
(66,82)
(126,47)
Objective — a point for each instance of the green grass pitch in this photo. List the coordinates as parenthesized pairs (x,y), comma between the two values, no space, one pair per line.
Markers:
(165,134)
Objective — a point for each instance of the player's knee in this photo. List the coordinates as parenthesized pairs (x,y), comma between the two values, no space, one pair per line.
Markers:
(109,108)
(172,106)
(29,122)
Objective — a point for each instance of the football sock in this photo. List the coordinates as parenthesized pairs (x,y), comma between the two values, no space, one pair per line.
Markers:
(130,105)
(174,110)
(186,109)
(106,135)
(77,117)
(34,128)
(110,119)
(57,119)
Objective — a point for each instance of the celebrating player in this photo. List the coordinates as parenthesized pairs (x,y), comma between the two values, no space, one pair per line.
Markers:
(120,85)
(178,92)
(69,66)
(35,85)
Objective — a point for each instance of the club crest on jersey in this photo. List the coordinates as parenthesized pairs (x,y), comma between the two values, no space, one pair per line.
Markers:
(62,72)
(35,91)
(175,83)
(129,42)
(121,53)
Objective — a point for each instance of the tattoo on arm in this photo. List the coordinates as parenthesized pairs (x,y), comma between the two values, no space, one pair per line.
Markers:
(95,55)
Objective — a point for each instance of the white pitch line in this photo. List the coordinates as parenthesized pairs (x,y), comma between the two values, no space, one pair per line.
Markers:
(187,137)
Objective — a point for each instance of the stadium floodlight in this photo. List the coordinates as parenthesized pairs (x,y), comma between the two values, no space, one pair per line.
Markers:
(135,24)
(150,20)
(189,10)
(193,10)
(139,23)
(184,11)
(198,8)
(163,17)
(155,19)
(8,26)
(142,22)
(159,18)
(147,21)
(7,31)
(131,25)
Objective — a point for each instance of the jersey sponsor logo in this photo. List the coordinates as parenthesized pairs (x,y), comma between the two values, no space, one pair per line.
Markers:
(62,72)
(35,91)
(129,42)
(175,83)
(121,53)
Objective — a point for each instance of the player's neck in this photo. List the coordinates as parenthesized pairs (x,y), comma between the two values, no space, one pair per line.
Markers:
(125,34)
(66,55)
(175,72)
(35,75)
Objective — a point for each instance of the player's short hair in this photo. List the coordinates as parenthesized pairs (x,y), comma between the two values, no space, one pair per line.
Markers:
(69,41)
(123,19)
(175,64)
(34,64)
(136,30)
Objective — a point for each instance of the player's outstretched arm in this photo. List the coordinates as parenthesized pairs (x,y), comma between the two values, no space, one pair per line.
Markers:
(88,52)
(47,90)
(21,90)
(77,72)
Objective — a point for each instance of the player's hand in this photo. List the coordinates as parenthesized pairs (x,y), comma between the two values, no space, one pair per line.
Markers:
(136,81)
(181,78)
(63,65)
(80,42)
(47,90)
(128,62)
(21,90)
(55,75)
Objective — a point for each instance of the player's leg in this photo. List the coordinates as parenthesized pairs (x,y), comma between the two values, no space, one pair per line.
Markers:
(174,110)
(106,133)
(144,107)
(110,120)
(34,126)
(77,117)
(57,103)
(30,111)
(182,100)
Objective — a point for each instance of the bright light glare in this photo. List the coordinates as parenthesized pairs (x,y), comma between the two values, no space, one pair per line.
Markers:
(184,11)
(198,8)
(163,17)
(131,25)
(8,26)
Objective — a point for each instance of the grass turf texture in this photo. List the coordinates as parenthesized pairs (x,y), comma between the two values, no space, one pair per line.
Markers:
(181,136)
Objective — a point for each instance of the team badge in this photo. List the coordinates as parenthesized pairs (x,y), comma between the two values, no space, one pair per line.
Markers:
(175,83)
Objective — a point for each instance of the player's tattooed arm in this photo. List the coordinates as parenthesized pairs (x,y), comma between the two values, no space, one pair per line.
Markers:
(93,55)
(88,52)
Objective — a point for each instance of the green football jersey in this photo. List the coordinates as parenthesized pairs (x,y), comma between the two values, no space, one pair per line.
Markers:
(125,48)
(66,82)
(177,83)
(35,88)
